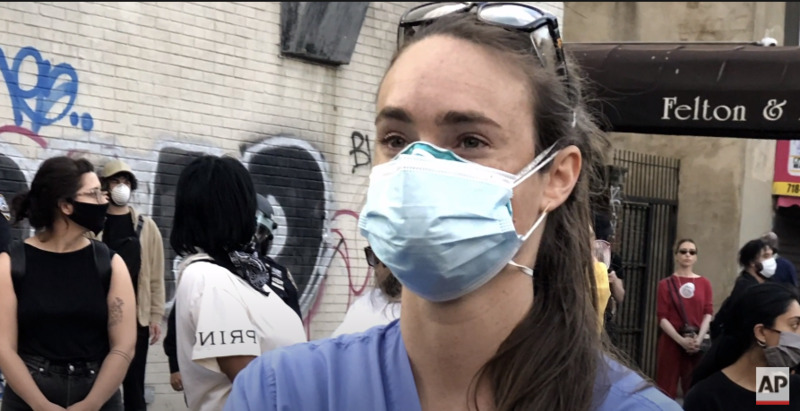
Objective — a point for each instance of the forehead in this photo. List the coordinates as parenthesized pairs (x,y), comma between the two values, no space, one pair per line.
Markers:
(89,181)
(792,312)
(442,73)
(687,244)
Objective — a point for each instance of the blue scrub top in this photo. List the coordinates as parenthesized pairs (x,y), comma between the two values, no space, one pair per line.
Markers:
(371,371)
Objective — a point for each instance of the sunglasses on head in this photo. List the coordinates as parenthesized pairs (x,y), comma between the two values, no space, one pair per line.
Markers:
(541,27)
(685,251)
(372,260)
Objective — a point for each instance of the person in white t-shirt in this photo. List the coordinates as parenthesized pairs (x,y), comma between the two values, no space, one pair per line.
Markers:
(379,306)
(226,313)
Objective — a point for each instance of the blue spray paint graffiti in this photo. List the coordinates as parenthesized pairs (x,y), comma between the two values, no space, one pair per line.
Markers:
(45,94)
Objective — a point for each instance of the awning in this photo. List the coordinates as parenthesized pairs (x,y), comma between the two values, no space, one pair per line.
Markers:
(722,90)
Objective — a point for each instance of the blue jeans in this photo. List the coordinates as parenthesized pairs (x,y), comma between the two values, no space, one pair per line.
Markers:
(61,384)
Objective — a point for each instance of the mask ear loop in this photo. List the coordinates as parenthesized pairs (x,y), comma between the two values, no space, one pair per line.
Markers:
(535,225)
(524,269)
(540,161)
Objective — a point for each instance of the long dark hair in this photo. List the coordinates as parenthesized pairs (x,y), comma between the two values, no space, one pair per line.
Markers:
(58,179)
(215,208)
(550,360)
(760,304)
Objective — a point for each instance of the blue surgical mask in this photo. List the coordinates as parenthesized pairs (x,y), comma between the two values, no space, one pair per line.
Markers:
(444,225)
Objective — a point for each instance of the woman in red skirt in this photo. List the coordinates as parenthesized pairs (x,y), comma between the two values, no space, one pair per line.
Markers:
(684,310)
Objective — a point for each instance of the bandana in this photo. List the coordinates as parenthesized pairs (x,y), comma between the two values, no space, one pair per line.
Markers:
(251,269)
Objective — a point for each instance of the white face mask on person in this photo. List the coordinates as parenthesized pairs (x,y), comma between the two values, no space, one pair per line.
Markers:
(768,267)
(442,224)
(120,195)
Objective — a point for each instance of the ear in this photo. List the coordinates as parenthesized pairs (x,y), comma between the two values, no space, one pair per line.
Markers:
(758,332)
(65,207)
(561,177)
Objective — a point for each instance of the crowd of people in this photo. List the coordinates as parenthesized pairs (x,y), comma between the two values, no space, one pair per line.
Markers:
(755,326)
(495,283)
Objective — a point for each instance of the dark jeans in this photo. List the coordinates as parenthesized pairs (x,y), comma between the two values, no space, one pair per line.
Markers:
(133,385)
(61,384)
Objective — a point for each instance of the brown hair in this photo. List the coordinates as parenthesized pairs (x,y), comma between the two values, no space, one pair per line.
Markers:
(684,240)
(58,178)
(550,360)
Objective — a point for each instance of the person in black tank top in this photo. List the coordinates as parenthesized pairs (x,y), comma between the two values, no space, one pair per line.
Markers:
(67,320)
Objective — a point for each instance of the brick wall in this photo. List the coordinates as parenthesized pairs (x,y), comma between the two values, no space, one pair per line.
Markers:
(159,83)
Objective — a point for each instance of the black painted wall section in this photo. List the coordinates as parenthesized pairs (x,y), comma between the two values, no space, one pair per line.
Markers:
(322,32)
(12,182)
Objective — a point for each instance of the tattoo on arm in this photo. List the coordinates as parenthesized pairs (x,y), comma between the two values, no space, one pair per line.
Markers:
(115,312)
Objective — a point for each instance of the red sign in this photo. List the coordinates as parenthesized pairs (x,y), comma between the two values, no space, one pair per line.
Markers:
(787,168)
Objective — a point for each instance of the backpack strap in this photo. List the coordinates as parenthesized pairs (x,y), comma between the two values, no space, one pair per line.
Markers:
(102,261)
(16,250)
(139,225)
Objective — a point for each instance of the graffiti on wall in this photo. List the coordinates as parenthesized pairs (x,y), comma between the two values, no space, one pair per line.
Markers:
(48,98)
(362,156)
(289,171)
(294,177)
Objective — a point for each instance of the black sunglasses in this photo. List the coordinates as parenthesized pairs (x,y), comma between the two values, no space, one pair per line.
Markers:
(685,251)
(542,27)
(372,260)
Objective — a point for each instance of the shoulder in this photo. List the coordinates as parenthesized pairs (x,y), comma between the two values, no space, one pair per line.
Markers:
(705,390)
(148,224)
(628,391)
(346,351)
(205,273)
(784,263)
(308,374)
(663,284)
(102,249)
(704,281)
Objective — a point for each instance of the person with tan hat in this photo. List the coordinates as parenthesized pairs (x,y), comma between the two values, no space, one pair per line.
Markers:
(138,240)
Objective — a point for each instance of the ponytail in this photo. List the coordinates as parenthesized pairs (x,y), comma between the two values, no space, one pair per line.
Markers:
(20,206)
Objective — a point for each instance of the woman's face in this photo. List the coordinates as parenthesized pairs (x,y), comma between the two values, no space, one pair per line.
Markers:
(90,192)
(465,98)
(687,254)
(786,322)
(768,253)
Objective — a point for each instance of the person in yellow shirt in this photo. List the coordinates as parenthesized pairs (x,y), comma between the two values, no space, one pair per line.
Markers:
(601,250)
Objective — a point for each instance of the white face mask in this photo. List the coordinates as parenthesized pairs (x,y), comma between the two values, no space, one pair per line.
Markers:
(442,224)
(768,267)
(120,195)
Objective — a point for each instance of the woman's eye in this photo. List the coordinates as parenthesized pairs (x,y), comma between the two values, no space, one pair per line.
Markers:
(471,142)
(394,141)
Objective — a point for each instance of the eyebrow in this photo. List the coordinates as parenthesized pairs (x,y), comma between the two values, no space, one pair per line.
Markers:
(449,118)
(393,113)
(462,117)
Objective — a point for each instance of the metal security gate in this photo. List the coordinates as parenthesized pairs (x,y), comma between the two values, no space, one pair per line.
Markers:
(645,204)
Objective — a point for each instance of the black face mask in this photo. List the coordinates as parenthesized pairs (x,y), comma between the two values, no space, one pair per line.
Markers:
(89,216)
